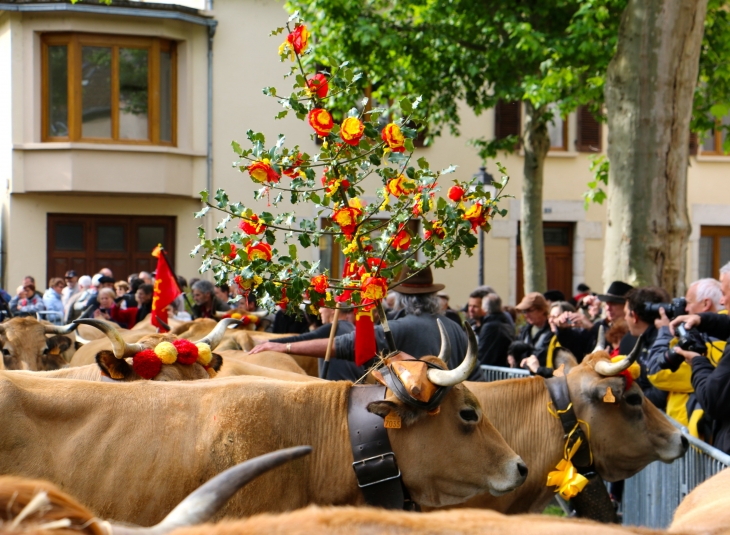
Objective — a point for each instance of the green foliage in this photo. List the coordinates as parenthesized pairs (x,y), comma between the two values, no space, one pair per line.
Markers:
(261,252)
(599,170)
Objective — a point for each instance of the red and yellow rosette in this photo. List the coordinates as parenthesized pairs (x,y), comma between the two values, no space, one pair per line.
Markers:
(477,216)
(261,171)
(321,120)
(251,225)
(258,251)
(320,283)
(400,186)
(346,217)
(351,131)
(401,240)
(373,288)
(318,85)
(296,41)
(393,137)
(437,230)
(291,170)
(456,193)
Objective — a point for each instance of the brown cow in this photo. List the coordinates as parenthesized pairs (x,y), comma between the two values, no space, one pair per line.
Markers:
(625,435)
(178,434)
(26,347)
(706,509)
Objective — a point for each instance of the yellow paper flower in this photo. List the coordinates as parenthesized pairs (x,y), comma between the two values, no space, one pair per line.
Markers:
(566,477)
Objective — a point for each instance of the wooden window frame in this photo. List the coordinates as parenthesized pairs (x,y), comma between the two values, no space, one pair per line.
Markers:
(715,232)
(717,135)
(74,42)
(564,147)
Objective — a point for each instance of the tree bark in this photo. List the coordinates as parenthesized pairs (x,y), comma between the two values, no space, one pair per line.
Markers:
(650,85)
(537,145)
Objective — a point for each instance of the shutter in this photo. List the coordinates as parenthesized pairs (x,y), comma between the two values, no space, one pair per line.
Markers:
(507,119)
(589,131)
(693,143)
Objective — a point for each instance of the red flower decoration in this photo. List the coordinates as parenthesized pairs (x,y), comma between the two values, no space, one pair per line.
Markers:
(320,283)
(400,186)
(374,288)
(456,193)
(260,251)
(233,250)
(402,240)
(346,218)
(393,136)
(284,299)
(251,226)
(436,230)
(261,171)
(298,39)
(318,85)
(291,170)
(352,130)
(187,352)
(321,121)
(330,184)
(146,364)
(477,216)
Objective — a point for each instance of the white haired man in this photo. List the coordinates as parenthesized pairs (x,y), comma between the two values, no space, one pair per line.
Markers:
(703,296)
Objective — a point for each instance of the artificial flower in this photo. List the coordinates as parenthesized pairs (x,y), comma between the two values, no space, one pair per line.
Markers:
(400,186)
(402,241)
(320,284)
(321,120)
(351,131)
(296,41)
(476,215)
(261,171)
(318,85)
(246,284)
(291,171)
(393,136)
(251,225)
(437,230)
(346,218)
(374,288)
(260,251)
(333,184)
(456,193)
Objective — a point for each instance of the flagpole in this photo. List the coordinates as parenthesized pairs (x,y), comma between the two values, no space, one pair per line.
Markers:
(174,275)
(333,332)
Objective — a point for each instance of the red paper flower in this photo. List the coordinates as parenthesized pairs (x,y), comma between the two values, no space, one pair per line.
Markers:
(346,218)
(318,85)
(298,39)
(351,131)
(477,216)
(291,170)
(456,193)
(321,121)
(146,364)
(260,251)
(400,186)
(331,186)
(374,288)
(320,283)
(251,226)
(233,250)
(394,137)
(402,240)
(436,230)
(261,171)
(187,352)
(284,299)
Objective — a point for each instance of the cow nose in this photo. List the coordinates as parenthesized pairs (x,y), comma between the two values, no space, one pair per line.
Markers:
(522,468)
(685,443)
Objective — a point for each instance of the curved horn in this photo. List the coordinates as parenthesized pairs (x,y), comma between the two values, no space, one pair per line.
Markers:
(121,348)
(205,502)
(445,353)
(220,314)
(61,329)
(609,369)
(463,371)
(601,341)
(216,335)
(162,323)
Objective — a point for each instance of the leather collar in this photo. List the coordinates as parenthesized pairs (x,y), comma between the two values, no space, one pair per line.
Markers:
(558,388)
(400,391)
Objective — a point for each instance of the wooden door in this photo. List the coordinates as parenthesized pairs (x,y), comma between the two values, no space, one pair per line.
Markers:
(558,258)
(87,243)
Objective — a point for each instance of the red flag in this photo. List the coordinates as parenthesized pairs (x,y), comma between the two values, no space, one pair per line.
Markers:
(365,347)
(166,288)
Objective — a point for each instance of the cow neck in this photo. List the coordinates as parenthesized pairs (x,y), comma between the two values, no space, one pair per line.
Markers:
(562,408)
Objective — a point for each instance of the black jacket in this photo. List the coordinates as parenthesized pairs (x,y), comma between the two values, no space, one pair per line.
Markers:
(712,385)
(540,342)
(581,341)
(495,337)
(652,393)
(339,370)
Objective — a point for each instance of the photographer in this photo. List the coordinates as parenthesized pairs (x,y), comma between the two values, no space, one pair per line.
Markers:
(711,380)
(640,315)
(666,368)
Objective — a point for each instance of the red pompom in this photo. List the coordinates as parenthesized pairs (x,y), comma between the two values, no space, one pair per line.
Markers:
(187,352)
(147,364)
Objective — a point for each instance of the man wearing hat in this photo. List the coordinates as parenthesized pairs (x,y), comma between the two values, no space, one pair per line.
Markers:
(577,333)
(72,287)
(536,334)
(414,328)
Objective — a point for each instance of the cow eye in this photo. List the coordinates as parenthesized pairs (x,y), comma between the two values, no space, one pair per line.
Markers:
(469,415)
(633,399)
(6,352)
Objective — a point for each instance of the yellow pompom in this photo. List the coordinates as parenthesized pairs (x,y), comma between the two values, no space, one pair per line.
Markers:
(166,352)
(204,354)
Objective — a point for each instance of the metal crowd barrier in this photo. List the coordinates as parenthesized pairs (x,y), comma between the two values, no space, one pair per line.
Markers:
(651,496)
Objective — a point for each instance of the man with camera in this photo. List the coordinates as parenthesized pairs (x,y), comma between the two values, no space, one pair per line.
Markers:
(666,366)
(711,379)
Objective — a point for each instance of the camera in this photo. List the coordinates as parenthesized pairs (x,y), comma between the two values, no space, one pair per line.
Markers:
(676,308)
(689,340)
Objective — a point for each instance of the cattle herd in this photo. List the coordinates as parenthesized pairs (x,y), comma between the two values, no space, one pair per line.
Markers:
(88,445)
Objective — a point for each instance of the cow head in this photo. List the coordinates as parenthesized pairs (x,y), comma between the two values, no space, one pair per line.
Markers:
(449,452)
(627,431)
(120,364)
(26,347)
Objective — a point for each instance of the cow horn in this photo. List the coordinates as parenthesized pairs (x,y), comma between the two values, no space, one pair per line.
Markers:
(609,369)
(61,329)
(601,341)
(205,502)
(121,348)
(463,371)
(445,353)
(216,335)
(220,314)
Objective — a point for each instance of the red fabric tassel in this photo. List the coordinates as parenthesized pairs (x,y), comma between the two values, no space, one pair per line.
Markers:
(365,347)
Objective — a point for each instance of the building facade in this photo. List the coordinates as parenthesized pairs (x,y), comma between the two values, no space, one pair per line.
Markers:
(114,118)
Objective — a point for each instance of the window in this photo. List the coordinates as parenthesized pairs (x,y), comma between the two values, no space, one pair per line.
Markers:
(714,139)
(714,250)
(557,129)
(508,119)
(589,131)
(103,88)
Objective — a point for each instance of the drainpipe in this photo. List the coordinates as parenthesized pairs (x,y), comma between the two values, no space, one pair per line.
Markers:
(211,34)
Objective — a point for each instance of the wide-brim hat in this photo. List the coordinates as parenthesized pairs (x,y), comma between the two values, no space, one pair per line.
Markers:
(533,300)
(616,292)
(420,283)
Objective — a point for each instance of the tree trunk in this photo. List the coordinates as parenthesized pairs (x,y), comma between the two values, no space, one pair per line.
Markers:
(650,84)
(537,145)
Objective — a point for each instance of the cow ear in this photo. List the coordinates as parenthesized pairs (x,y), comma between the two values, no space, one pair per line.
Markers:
(216,361)
(600,391)
(117,369)
(564,357)
(408,415)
